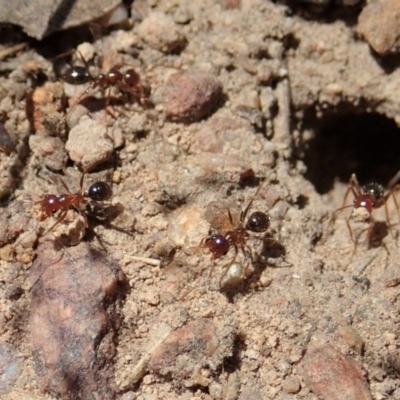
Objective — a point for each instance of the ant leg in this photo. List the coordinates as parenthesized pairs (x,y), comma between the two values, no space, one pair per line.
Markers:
(83,60)
(81,181)
(353,187)
(211,269)
(79,99)
(230,217)
(387,214)
(350,230)
(246,210)
(391,193)
(335,214)
(59,219)
(246,250)
(64,185)
(392,184)
(395,189)
(108,107)
(137,91)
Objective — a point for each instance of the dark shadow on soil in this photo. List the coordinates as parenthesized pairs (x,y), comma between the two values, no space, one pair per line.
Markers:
(346,142)
(324,13)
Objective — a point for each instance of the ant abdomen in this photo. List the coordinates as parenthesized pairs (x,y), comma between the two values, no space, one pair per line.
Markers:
(258,222)
(76,75)
(100,191)
(374,189)
(131,77)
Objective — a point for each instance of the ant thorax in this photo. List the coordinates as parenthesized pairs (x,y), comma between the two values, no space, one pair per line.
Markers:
(76,75)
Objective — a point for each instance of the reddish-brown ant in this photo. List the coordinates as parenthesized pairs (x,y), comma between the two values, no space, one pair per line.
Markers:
(94,198)
(219,244)
(127,82)
(370,197)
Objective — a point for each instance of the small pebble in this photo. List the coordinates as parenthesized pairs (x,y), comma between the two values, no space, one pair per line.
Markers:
(379,24)
(331,375)
(291,384)
(191,96)
(187,226)
(160,32)
(89,143)
(197,341)
(351,336)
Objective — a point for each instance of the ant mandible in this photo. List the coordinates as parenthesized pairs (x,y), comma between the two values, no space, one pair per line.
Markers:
(219,244)
(98,193)
(370,197)
(127,82)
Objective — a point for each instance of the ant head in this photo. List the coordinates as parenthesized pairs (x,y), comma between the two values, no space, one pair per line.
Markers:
(217,244)
(374,189)
(258,222)
(100,191)
(76,75)
(366,201)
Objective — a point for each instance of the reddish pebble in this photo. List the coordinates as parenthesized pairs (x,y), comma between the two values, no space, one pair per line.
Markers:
(71,320)
(199,344)
(379,24)
(191,96)
(333,376)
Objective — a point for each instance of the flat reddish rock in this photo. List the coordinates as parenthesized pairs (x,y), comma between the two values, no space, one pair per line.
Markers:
(191,345)
(72,319)
(333,376)
(199,344)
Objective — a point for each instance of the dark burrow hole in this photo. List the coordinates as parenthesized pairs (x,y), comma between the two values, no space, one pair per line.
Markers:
(367,144)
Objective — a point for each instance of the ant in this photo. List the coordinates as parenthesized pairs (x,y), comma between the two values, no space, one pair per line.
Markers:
(219,244)
(127,82)
(83,202)
(370,197)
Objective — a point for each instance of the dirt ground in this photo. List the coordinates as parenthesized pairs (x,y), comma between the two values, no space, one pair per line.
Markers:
(248,100)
